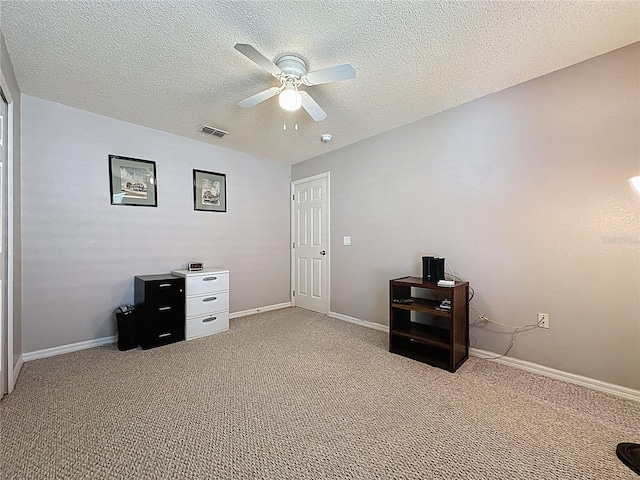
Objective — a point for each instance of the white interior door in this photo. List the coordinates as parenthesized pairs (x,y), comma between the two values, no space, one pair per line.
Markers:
(5,362)
(310,258)
(10,365)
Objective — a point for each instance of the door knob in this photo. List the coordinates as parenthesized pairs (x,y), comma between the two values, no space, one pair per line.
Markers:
(323,252)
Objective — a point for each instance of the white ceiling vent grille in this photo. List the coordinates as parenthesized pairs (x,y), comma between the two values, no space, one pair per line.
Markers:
(216,132)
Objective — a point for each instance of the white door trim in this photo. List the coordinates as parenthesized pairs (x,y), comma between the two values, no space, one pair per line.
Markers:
(8,283)
(293,233)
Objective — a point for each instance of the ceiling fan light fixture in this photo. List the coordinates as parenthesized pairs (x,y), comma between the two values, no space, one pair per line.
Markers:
(290,99)
(635,184)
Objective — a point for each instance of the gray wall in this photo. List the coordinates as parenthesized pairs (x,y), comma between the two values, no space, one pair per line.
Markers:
(81,253)
(525,193)
(7,71)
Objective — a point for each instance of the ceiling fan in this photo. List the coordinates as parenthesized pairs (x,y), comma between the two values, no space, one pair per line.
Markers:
(292,73)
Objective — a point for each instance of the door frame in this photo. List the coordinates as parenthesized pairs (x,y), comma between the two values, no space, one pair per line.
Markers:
(6,354)
(319,176)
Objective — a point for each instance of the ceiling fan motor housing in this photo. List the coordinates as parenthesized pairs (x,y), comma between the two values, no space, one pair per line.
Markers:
(292,66)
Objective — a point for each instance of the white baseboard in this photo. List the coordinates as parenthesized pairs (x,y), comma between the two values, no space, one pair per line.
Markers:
(609,388)
(357,321)
(16,371)
(73,347)
(253,311)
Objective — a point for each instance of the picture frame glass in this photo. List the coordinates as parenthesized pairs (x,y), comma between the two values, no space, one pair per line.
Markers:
(132,181)
(209,191)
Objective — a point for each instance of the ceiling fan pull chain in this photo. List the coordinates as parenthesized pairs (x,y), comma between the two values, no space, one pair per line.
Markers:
(284,120)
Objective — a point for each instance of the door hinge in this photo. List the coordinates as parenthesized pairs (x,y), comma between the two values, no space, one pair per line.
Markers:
(294,244)
(294,293)
(294,196)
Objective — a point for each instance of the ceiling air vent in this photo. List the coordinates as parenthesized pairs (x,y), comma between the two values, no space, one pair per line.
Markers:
(213,131)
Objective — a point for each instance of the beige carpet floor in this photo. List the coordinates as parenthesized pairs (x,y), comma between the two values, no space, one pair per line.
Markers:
(291,394)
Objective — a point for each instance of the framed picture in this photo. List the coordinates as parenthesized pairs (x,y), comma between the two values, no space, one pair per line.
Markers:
(209,191)
(133,181)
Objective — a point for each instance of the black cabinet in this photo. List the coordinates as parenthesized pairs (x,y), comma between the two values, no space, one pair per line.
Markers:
(160,306)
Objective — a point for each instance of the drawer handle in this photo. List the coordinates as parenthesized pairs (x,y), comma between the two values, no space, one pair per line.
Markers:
(162,285)
(210,319)
(162,309)
(164,335)
(209,279)
(209,299)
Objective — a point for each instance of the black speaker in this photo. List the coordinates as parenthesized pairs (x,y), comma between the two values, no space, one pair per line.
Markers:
(432,269)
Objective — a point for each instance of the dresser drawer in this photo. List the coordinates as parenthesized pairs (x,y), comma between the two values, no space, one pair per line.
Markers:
(172,310)
(203,304)
(159,290)
(161,328)
(207,324)
(211,282)
(158,337)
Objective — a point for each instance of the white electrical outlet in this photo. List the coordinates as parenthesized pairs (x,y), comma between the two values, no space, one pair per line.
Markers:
(346,241)
(543,320)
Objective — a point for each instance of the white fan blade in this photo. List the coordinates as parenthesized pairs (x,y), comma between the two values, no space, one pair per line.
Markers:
(258,58)
(331,74)
(312,108)
(259,97)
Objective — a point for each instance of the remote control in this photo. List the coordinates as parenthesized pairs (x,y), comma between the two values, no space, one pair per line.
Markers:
(403,300)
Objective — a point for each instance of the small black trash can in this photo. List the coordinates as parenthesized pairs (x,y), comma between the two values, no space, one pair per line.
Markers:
(127,327)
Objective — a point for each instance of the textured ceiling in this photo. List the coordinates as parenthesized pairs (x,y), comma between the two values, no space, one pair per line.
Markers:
(171,65)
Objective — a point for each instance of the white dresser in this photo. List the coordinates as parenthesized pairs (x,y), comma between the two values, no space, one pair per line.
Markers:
(206,301)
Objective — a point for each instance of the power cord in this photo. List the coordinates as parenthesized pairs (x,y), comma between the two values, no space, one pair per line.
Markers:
(517,329)
(491,320)
(453,276)
(484,318)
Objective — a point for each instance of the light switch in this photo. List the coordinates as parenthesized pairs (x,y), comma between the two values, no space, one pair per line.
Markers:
(347,240)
